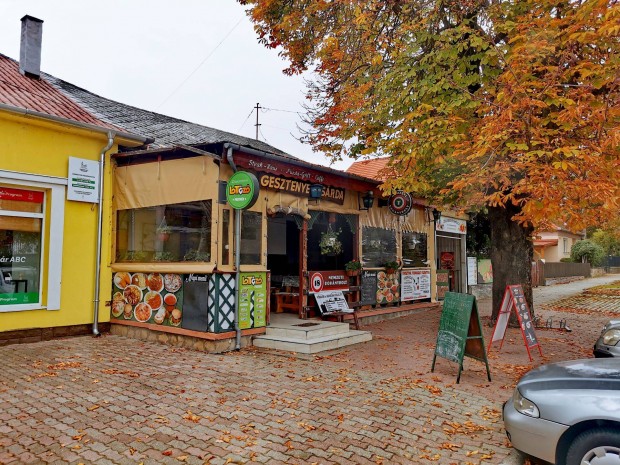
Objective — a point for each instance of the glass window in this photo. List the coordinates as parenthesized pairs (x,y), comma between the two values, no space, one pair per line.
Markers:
(21,225)
(251,237)
(226,237)
(378,246)
(414,249)
(165,233)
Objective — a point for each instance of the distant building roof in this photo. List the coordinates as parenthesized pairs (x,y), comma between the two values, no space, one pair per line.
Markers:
(545,242)
(40,95)
(53,96)
(166,130)
(375,168)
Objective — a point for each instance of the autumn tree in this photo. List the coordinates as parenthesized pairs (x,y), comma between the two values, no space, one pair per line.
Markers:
(510,107)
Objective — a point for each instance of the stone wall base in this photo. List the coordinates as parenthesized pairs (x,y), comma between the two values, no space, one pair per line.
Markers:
(178,340)
(23,336)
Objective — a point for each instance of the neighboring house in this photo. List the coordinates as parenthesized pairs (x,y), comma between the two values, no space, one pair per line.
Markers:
(375,168)
(553,246)
(48,241)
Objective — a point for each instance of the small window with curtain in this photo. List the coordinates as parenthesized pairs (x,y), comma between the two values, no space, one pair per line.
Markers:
(414,249)
(21,226)
(378,246)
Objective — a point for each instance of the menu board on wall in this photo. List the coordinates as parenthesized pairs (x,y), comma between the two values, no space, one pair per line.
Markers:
(443,283)
(148,298)
(388,290)
(415,284)
(472,271)
(253,300)
(369,287)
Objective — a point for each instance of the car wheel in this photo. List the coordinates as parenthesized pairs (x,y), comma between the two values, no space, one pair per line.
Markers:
(595,447)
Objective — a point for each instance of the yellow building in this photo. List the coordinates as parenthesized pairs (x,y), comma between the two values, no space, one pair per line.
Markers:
(49,220)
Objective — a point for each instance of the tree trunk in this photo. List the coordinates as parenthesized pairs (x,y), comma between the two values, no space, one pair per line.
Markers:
(511,255)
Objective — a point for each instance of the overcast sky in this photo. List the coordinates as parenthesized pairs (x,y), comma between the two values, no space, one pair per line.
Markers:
(198,60)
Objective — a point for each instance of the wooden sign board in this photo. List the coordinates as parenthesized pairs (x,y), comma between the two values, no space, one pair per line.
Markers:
(514,299)
(460,332)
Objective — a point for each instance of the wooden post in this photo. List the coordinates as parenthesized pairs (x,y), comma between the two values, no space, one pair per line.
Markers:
(303,268)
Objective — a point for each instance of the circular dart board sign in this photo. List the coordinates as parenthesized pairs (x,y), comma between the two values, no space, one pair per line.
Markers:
(400,203)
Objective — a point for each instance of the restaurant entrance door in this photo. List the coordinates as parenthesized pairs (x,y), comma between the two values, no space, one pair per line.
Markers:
(284,261)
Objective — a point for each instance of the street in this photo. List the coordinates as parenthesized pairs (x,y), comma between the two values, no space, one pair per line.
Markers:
(116,400)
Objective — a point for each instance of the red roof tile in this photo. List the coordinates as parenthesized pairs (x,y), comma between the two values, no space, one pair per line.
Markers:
(545,242)
(375,168)
(39,95)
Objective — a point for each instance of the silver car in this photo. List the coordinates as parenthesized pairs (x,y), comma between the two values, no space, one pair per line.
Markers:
(607,344)
(568,413)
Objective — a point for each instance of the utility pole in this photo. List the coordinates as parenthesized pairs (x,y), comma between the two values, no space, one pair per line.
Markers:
(258,107)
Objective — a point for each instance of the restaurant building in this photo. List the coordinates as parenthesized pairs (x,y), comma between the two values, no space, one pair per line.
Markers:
(168,239)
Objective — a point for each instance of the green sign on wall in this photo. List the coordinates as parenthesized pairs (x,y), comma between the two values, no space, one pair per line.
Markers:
(460,332)
(252,300)
(242,190)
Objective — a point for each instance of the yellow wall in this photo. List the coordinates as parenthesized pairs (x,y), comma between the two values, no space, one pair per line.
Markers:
(30,146)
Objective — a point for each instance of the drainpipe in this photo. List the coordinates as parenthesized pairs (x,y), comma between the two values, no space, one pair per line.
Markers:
(237,242)
(111,136)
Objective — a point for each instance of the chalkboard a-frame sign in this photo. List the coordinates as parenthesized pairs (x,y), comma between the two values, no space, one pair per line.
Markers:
(460,332)
(514,298)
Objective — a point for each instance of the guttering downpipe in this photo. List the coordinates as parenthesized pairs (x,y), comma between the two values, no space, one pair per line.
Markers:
(231,162)
(111,136)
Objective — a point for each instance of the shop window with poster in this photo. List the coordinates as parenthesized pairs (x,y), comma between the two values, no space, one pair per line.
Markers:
(21,221)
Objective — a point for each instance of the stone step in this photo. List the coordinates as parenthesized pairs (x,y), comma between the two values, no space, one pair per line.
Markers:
(313,345)
(307,329)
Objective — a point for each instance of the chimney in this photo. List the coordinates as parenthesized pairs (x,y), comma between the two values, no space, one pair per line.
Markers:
(30,52)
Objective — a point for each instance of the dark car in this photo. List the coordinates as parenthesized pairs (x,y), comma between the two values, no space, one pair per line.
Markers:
(608,344)
(568,413)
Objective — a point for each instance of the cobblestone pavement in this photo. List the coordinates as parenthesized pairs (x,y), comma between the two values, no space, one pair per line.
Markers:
(117,400)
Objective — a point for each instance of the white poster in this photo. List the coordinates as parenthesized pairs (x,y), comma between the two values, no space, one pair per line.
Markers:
(415,284)
(472,271)
(83,177)
(331,301)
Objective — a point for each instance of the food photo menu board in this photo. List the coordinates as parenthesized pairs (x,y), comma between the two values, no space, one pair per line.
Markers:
(388,290)
(148,298)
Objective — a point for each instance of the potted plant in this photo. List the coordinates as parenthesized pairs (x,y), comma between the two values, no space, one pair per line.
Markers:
(330,243)
(391,267)
(164,256)
(163,233)
(353,267)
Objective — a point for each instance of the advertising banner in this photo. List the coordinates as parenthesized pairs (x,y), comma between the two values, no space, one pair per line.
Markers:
(253,300)
(328,281)
(415,284)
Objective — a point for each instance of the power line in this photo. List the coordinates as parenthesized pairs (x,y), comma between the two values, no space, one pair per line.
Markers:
(277,109)
(246,119)
(200,65)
